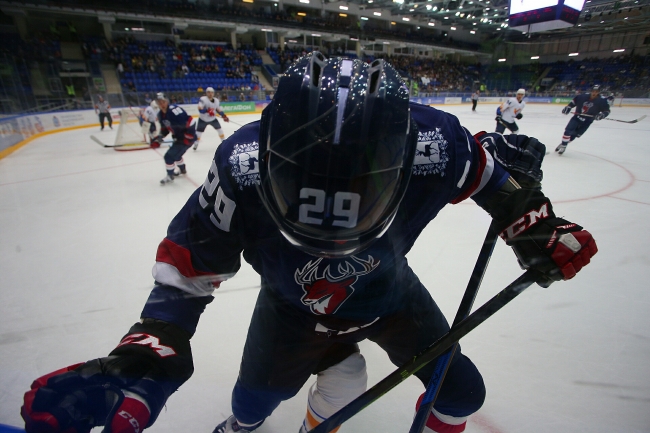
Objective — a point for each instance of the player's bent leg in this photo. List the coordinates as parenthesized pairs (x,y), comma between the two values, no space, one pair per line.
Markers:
(175,153)
(500,128)
(462,393)
(200,128)
(418,324)
(280,354)
(335,387)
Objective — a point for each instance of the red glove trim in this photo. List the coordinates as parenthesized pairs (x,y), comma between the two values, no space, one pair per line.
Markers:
(131,417)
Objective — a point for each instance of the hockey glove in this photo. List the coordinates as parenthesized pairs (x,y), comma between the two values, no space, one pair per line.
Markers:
(519,116)
(554,246)
(124,391)
(156,141)
(600,116)
(521,156)
(225,118)
(566,110)
(499,119)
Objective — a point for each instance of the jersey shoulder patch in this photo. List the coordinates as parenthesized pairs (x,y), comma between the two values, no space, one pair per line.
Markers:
(431,154)
(243,156)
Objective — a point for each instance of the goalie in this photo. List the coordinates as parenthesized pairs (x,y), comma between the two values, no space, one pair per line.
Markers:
(149,117)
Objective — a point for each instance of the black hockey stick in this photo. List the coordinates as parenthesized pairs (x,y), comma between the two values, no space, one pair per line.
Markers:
(235,123)
(613,120)
(98,141)
(465,307)
(436,349)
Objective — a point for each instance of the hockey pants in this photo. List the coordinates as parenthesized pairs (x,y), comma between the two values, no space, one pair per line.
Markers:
(575,128)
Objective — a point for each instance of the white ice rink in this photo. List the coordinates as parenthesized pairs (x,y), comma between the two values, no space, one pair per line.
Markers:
(79,227)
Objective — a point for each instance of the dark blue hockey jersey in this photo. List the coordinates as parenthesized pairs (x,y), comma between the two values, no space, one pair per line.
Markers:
(225,219)
(585,105)
(178,123)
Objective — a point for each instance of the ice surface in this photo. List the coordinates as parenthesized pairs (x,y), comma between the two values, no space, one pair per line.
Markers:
(79,226)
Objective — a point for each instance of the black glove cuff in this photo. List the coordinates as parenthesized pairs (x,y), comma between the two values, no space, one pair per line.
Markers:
(519,211)
(152,360)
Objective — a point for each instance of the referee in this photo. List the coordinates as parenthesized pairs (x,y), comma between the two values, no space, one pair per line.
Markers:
(103,108)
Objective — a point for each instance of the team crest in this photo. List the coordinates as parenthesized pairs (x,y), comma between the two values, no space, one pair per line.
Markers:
(325,293)
(245,166)
(431,155)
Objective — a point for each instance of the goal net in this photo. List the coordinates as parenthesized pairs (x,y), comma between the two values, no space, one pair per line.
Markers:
(130,134)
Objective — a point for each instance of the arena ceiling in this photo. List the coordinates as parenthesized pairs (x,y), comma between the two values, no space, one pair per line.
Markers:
(491,16)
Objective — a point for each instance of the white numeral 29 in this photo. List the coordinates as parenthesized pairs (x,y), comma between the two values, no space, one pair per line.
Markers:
(224,208)
(345,207)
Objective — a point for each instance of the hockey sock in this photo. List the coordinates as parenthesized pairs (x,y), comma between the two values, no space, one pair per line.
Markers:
(334,388)
(440,423)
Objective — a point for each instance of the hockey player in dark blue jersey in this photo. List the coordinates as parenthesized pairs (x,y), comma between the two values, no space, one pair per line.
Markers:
(589,107)
(324,197)
(175,121)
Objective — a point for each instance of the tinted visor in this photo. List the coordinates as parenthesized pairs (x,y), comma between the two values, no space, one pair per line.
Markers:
(328,207)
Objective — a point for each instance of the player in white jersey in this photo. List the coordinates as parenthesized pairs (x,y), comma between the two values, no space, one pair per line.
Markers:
(509,111)
(150,115)
(209,107)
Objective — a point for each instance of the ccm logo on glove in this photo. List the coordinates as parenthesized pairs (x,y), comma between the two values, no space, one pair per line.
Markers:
(148,340)
(525,222)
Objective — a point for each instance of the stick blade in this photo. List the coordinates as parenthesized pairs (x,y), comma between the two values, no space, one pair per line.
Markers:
(98,141)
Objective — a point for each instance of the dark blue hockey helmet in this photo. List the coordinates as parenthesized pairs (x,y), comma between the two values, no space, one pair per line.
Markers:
(336,149)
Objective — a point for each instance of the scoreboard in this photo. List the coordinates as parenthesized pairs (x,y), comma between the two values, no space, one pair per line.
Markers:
(539,15)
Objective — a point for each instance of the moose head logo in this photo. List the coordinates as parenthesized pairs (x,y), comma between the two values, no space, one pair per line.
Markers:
(324,294)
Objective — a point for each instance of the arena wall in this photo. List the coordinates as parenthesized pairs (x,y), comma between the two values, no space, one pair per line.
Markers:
(17,131)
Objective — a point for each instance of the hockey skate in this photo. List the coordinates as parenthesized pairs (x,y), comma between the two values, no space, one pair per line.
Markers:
(560,149)
(230,426)
(196,144)
(167,179)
